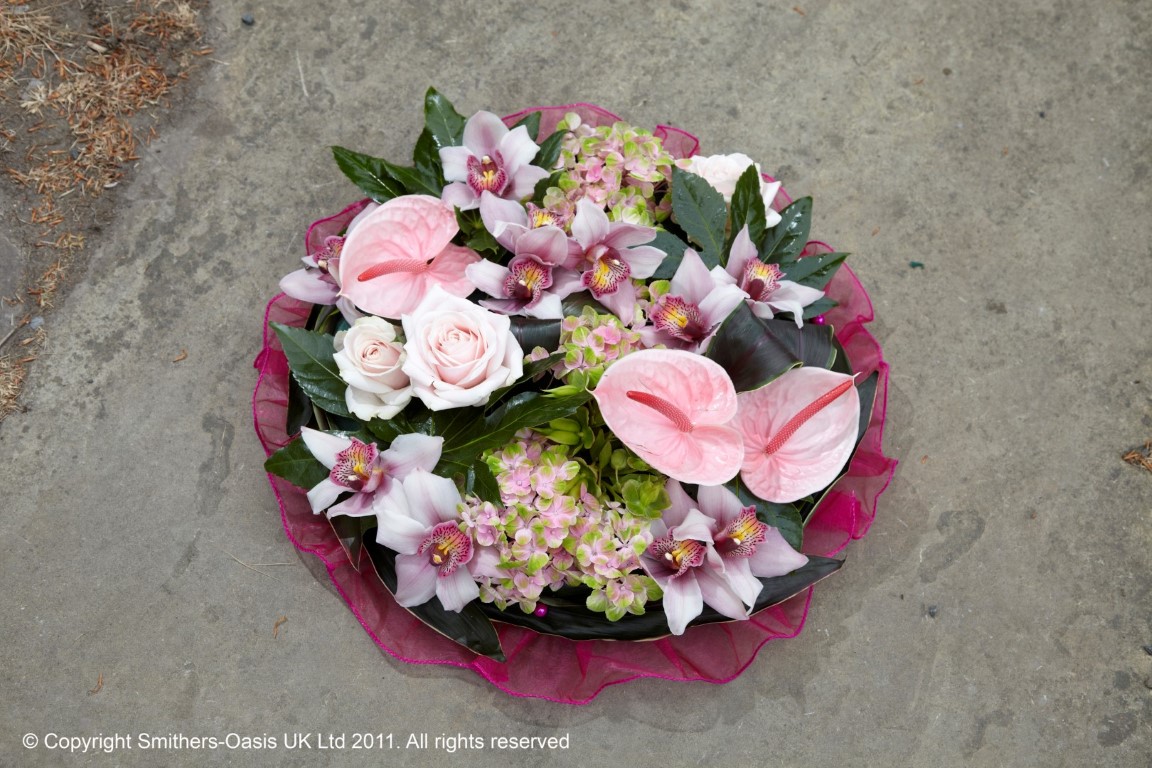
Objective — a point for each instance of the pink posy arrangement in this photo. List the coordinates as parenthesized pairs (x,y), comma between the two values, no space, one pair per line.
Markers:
(568,376)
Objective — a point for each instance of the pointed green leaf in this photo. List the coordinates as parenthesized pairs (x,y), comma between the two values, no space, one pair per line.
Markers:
(674,247)
(787,239)
(550,152)
(467,435)
(819,307)
(310,356)
(368,173)
(747,209)
(813,271)
(296,464)
(469,628)
(442,120)
(700,211)
(531,123)
(481,483)
(426,157)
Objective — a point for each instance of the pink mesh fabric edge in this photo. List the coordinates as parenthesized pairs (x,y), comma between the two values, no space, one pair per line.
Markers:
(553,668)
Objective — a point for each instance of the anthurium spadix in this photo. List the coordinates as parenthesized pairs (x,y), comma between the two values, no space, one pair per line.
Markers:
(673,409)
(798,432)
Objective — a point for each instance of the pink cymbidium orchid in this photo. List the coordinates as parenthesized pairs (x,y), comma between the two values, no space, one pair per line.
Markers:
(798,432)
(317,283)
(613,255)
(749,548)
(534,282)
(688,316)
(508,221)
(399,251)
(762,284)
(673,409)
(362,469)
(421,523)
(493,159)
(683,560)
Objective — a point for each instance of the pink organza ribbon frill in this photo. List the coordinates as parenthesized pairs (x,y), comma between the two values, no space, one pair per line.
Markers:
(553,668)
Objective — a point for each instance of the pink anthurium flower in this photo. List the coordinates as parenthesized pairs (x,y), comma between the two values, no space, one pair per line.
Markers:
(613,255)
(798,432)
(683,560)
(762,284)
(399,251)
(362,469)
(673,409)
(493,159)
(534,282)
(688,316)
(421,523)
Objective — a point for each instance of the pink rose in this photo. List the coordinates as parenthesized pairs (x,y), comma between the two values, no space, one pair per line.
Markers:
(458,352)
(370,359)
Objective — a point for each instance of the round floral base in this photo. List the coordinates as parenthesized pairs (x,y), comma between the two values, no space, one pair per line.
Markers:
(531,661)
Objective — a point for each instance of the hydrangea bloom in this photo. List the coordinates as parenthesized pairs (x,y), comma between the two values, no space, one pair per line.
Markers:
(552,531)
(618,167)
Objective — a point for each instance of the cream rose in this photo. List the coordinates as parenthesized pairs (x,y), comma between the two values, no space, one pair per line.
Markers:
(458,352)
(723,171)
(371,359)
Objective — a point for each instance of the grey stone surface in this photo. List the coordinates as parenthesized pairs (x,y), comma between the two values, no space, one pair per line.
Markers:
(1003,145)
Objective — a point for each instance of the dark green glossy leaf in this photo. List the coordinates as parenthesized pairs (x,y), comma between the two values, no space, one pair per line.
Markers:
(700,211)
(531,123)
(350,531)
(750,354)
(481,483)
(296,464)
(813,271)
(469,628)
(310,358)
(469,434)
(442,120)
(747,210)
(544,185)
(426,158)
(674,247)
(414,419)
(550,152)
(413,180)
(572,619)
(811,344)
(483,241)
(368,173)
(532,332)
(299,408)
(786,240)
(819,307)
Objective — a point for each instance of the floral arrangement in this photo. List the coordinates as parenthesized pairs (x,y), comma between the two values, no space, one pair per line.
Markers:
(566,375)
